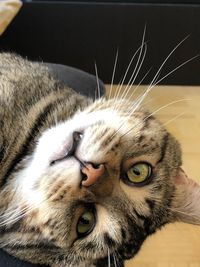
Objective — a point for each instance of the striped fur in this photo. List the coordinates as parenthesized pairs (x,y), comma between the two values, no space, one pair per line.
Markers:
(41,193)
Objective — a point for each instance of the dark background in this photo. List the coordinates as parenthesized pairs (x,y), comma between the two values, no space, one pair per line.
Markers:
(126,1)
(82,33)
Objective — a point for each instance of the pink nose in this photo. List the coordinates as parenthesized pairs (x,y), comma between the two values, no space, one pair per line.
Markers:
(92,174)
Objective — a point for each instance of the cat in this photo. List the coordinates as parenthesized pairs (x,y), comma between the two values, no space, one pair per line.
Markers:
(83,182)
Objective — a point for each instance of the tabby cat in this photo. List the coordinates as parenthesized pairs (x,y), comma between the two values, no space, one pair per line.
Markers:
(83,182)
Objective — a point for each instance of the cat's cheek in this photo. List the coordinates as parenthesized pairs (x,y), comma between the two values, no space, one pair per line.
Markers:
(62,184)
(107,224)
(138,195)
(37,188)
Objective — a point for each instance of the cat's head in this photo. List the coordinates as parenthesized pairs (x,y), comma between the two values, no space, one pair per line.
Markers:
(98,185)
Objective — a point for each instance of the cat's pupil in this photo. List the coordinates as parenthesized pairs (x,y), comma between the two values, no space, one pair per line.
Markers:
(136,171)
(84,220)
(86,223)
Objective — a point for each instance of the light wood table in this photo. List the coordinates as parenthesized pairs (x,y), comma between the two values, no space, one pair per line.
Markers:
(176,245)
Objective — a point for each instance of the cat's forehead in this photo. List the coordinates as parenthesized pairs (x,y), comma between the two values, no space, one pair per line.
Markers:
(122,117)
(137,132)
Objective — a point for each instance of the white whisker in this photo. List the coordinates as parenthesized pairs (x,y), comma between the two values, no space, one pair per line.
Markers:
(178,67)
(119,87)
(115,262)
(153,82)
(175,118)
(130,63)
(109,258)
(14,215)
(95,94)
(97,79)
(134,76)
(154,112)
(132,110)
(166,59)
(132,79)
(113,74)
(135,89)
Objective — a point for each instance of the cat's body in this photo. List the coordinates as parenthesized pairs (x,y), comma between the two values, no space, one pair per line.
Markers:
(65,161)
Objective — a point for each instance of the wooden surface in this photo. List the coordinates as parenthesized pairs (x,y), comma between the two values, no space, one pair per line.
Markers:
(176,245)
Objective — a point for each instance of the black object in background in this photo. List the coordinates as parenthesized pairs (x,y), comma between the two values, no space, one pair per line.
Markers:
(81,33)
(8,261)
(128,1)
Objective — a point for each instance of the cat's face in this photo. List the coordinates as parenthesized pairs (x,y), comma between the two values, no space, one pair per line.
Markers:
(98,184)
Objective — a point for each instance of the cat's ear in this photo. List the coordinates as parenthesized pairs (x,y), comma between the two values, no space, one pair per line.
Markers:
(186,201)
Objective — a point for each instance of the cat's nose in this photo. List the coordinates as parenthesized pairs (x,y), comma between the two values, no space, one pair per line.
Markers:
(92,173)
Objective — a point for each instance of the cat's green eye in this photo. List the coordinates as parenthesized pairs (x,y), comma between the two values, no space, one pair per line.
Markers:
(86,223)
(139,173)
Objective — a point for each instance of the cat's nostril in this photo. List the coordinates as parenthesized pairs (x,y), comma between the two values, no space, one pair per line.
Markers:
(83,176)
(94,165)
(77,136)
(91,174)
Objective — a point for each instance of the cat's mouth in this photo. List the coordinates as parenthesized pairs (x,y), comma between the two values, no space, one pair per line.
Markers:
(76,138)
(90,172)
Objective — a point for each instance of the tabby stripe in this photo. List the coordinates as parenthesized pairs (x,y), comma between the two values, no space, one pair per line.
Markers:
(32,246)
(146,122)
(90,246)
(150,203)
(147,221)
(135,230)
(141,217)
(104,262)
(39,122)
(12,229)
(2,151)
(109,241)
(163,148)
(123,233)
(136,235)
